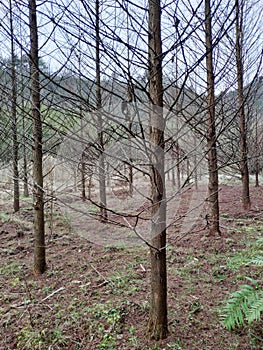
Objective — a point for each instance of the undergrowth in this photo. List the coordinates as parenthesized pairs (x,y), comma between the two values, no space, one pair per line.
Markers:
(244,305)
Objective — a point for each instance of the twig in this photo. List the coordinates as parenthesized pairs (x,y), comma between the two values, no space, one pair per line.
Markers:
(143,268)
(53,293)
(28,302)
(105,280)
(133,228)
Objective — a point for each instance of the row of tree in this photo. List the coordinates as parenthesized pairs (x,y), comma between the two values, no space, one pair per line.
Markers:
(134,89)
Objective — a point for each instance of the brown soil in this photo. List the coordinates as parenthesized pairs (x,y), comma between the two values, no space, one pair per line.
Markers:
(96,297)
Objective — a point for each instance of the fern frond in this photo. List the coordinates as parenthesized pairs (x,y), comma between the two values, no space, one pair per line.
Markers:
(257,261)
(259,241)
(235,312)
(252,280)
(256,308)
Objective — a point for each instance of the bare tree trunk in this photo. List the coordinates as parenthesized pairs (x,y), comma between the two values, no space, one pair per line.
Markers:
(130,98)
(256,173)
(173,172)
(157,324)
(130,162)
(242,116)
(25,173)
(188,172)
(178,166)
(211,129)
(257,154)
(195,166)
(83,168)
(128,117)
(83,172)
(39,226)
(25,176)
(16,204)
(102,175)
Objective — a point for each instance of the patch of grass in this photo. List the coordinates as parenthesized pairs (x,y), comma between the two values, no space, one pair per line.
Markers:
(107,323)
(240,259)
(93,209)
(10,269)
(5,216)
(176,345)
(122,282)
(107,343)
(252,229)
(252,248)
(190,270)
(28,338)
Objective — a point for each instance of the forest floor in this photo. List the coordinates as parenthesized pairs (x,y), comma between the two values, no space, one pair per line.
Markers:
(96,296)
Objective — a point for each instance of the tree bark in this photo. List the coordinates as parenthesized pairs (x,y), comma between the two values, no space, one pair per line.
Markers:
(211,128)
(83,171)
(257,154)
(102,175)
(84,155)
(38,194)
(177,145)
(25,176)
(130,98)
(25,170)
(157,324)
(16,204)
(242,116)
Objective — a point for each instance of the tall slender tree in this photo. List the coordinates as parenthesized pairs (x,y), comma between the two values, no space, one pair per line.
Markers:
(256,151)
(16,204)
(102,175)
(157,325)
(211,128)
(130,98)
(25,141)
(38,194)
(82,165)
(23,83)
(241,106)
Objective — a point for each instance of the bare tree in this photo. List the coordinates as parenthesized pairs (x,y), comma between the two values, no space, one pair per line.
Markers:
(102,177)
(157,325)
(24,143)
(16,204)
(38,195)
(241,102)
(211,129)
(257,152)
